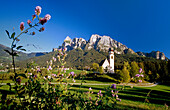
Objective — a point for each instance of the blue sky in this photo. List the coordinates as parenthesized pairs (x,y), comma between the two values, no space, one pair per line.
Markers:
(143,25)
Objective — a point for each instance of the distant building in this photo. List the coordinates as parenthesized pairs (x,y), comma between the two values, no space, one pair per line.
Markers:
(108,64)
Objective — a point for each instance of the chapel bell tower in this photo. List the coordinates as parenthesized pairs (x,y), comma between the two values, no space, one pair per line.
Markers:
(111,60)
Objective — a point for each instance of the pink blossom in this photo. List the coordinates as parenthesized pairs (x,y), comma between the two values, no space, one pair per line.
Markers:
(49,77)
(62,53)
(140,81)
(72,73)
(47,16)
(29,21)
(118,99)
(35,76)
(74,80)
(142,75)
(140,70)
(113,95)
(90,88)
(113,86)
(49,68)
(137,75)
(42,21)
(29,73)
(54,75)
(44,77)
(22,26)
(100,91)
(54,58)
(38,10)
(38,70)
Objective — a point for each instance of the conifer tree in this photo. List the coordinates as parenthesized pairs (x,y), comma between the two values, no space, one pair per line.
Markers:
(134,69)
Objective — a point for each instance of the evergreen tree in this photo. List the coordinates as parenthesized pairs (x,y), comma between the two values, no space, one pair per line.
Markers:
(134,69)
(126,76)
(168,66)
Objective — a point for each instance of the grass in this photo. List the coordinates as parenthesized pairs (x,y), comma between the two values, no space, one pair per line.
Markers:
(132,98)
(135,98)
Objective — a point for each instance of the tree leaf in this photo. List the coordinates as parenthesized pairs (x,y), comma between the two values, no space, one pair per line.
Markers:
(23,49)
(19,47)
(8,34)
(15,54)
(8,52)
(13,46)
(13,34)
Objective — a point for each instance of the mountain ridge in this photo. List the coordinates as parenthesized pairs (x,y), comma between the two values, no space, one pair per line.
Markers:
(103,43)
(6,58)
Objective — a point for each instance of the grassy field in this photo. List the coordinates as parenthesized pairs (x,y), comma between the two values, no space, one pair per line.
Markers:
(131,98)
(136,97)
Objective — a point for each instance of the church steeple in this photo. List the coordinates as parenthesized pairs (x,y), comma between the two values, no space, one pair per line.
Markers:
(111,59)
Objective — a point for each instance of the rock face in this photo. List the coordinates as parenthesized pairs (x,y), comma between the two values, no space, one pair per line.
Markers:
(103,43)
(154,54)
(73,44)
(99,43)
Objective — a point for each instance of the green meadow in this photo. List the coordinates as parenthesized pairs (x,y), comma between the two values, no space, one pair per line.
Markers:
(132,97)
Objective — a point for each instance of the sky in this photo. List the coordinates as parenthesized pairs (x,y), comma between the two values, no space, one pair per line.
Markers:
(142,25)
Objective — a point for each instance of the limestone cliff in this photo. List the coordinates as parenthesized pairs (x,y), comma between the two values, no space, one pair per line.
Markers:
(154,54)
(97,42)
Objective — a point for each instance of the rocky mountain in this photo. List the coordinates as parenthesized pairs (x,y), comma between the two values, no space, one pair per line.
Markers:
(154,54)
(103,43)
(97,42)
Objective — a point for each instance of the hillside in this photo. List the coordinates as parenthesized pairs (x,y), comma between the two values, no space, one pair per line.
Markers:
(80,58)
(5,58)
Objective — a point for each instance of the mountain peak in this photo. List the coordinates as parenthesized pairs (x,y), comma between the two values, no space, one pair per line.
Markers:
(103,43)
(67,39)
(97,42)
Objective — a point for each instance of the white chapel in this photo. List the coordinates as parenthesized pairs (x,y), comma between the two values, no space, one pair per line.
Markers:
(108,66)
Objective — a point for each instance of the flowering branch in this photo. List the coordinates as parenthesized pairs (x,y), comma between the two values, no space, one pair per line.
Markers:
(42,21)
